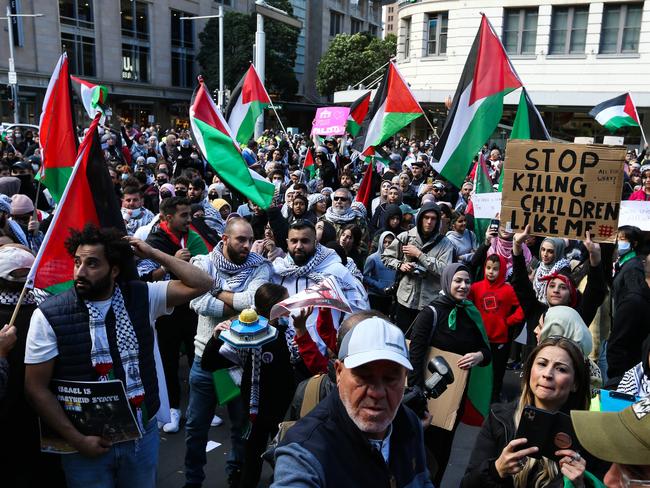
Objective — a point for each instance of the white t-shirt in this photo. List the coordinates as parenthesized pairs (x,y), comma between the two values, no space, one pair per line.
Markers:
(41,339)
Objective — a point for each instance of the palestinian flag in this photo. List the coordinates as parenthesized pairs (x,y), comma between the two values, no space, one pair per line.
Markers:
(200,238)
(93,97)
(358,112)
(393,108)
(479,387)
(219,148)
(368,186)
(528,122)
(478,104)
(57,139)
(616,113)
(247,102)
(482,184)
(88,198)
(309,165)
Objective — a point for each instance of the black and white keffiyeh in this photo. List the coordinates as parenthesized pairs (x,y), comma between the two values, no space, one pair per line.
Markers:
(288,269)
(237,274)
(11,298)
(346,217)
(127,346)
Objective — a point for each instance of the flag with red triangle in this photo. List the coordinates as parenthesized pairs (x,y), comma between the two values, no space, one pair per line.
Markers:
(309,165)
(88,198)
(477,107)
(57,136)
(93,97)
(247,102)
(358,112)
(215,140)
(393,108)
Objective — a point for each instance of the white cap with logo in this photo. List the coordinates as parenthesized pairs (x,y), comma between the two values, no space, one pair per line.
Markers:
(374,339)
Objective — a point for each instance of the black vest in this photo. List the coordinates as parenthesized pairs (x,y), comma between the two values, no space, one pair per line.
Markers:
(68,316)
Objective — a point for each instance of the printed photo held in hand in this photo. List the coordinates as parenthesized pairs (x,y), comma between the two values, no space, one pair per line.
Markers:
(326,294)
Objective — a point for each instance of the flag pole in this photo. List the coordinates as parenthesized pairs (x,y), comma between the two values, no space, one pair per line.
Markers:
(17,307)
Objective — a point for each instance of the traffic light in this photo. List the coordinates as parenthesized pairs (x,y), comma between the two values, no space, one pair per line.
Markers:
(7,92)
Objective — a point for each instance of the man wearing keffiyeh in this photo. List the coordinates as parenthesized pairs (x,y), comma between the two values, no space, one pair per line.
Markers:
(237,273)
(102,328)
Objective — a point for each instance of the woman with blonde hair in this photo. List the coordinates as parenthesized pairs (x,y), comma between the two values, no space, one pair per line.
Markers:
(555,379)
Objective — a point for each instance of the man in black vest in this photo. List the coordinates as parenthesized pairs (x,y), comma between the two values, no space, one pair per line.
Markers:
(103,328)
(359,435)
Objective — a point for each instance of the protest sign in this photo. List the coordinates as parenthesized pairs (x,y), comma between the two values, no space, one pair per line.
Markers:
(486,205)
(98,408)
(326,294)
(330,121)
(563,190)
(636,213)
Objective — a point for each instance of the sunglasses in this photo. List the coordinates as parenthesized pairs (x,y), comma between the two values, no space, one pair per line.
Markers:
(340,199)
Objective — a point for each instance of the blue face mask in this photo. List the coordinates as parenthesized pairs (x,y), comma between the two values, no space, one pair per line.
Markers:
(623,247)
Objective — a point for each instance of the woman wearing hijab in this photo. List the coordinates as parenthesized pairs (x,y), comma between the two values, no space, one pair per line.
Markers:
(377,277)
(551,260)
(9,185)
(452,323)
(560,289)
(392,222)
(636,381)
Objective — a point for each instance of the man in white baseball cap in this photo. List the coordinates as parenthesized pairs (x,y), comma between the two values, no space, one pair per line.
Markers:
(360,434)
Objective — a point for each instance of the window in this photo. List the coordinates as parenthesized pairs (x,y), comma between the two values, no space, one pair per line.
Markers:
(81,53)
(568,30)
(336,22)
(407,38)
(182,49)
(76,12)
(355,26)
(520,30)
(437,40)
(621,28)
(135,63)
(135,19)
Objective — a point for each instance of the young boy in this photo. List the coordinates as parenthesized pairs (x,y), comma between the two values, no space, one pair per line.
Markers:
(499,307)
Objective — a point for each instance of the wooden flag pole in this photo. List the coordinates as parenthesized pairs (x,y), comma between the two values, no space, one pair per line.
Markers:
(17,307)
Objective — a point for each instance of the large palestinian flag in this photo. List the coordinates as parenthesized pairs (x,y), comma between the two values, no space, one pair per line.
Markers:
(616,113)
(57,131)
(215,140)
(93,97)
(358,112)
(88,198)
(393,108)
(478,104)
(247,103)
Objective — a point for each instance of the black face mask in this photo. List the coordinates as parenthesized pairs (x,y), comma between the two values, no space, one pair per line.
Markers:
(181,193)
(212,196)
(162,181)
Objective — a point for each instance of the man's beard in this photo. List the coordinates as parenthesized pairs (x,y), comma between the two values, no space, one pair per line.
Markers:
(196,199)
(235,257)
(93,291)
(303,258)
(339,211)
(365,425)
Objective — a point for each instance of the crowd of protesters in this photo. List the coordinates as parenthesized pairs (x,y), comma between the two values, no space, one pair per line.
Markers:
(573,316)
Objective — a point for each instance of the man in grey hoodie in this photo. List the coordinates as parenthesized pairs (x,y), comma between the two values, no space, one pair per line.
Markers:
(419,255)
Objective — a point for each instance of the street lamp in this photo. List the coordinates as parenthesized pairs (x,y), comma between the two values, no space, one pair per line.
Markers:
(263,9)
(11,75)
(220,17)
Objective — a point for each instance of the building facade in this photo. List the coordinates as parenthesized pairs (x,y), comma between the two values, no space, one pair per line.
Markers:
(140,49)
(570,54)
(389,17)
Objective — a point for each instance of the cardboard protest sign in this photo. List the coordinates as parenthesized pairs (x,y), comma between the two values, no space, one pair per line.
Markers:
(330,121)
(563,190)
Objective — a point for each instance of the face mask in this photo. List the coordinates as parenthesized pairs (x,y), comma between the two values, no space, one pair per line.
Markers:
(181,193)
(623,247)
(161,181)
(220,188)
(185,143)
(125,176)
(136,213)
(212,196)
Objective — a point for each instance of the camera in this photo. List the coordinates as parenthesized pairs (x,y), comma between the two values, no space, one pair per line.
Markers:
(441,377)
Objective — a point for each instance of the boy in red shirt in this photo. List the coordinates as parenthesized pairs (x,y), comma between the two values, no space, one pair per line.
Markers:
(499,307)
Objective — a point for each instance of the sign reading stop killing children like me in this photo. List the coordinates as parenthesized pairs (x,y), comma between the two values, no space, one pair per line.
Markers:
(563,190)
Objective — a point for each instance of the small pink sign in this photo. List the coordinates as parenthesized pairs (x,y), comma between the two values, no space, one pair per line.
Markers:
(330,121)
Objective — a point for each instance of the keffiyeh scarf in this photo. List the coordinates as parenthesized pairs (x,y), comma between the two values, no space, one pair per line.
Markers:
(345,218)
(287,268)
(11,298)
(127,346)
(544,270)
(237,274)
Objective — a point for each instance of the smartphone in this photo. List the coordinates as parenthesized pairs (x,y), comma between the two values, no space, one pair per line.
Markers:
(548,431)
(494,226)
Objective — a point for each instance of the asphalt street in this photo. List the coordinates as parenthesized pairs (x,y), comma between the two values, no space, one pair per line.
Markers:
(172,448)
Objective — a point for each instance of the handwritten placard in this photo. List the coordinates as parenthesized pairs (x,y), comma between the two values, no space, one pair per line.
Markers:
(330,121)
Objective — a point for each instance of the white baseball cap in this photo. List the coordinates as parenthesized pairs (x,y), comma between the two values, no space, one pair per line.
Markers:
(374,339)
(12,259)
